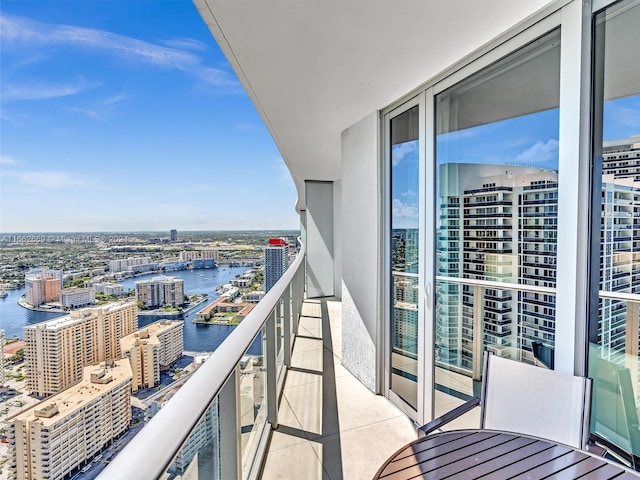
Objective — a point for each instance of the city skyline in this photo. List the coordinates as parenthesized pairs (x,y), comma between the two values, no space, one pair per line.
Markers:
(127,117)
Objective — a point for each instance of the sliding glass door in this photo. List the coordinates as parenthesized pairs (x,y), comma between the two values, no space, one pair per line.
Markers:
(614,330)
(496,205)
(405,326)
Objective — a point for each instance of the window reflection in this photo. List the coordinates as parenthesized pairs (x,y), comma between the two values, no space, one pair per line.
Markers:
(496,200)
(614,333)
(404,255)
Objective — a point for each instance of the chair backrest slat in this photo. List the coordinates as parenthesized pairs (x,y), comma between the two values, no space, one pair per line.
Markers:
(535,401)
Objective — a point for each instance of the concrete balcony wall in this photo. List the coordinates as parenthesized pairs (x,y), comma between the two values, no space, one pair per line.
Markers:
(361,251)
(320,238)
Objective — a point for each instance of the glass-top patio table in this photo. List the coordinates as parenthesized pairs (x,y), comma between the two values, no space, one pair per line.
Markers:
(494,455)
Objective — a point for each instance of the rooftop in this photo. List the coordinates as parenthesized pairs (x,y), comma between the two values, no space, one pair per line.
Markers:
(93,384)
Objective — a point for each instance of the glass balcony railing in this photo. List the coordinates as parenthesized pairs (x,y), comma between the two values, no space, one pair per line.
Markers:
(614,366)
(217,425)
(476,315)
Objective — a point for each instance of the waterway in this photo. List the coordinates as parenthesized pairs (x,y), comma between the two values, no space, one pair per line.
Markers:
(198,338)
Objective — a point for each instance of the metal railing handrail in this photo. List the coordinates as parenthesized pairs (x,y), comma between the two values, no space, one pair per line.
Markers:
(152,450)
(518,287)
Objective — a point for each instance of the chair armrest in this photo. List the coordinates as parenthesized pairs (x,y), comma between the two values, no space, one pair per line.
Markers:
(596,449)
(449,416)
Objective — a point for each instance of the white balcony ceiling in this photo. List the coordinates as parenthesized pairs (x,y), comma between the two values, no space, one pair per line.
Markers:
(315,67)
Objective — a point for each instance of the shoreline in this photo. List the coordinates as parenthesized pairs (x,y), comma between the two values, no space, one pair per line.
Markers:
(172,314)
(22,302)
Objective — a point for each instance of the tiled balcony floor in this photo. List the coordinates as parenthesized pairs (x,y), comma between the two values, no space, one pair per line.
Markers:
(330,425)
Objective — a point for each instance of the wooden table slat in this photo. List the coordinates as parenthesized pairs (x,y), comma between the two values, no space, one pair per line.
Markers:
(627,476)
(499,461)
(579,470)
(606,472)
(440,453)
(429,442)
(525,464)
(558,464)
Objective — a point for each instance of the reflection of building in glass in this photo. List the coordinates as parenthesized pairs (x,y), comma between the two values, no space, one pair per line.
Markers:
(620,244)
(508,229)
(405,316)
(404,250)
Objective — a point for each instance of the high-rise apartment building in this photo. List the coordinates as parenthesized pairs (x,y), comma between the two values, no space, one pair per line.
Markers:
(42,285)
(160,291)
(174,235)
(151,349)
(275,261)
(57,350)
(57,436)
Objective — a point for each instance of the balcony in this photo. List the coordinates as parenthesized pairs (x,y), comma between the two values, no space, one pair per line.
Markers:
(313,418)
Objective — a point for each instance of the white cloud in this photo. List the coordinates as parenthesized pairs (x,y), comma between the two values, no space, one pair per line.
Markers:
(408,193)
(40,91)
(625,116)
(48,178)
(400,209)
(400,151)
(7,160)
(99,109)
(245,126)
(539,152)
(185,43)
(15,29)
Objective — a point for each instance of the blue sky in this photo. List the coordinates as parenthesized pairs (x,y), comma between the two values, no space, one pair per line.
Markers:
(125,115)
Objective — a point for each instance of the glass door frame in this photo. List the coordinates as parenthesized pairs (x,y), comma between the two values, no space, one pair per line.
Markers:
(420,414)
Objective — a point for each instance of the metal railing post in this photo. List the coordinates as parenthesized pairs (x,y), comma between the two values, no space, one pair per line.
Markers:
(286,326)
(272,369)
(229,426)
(297,300)
(477,331)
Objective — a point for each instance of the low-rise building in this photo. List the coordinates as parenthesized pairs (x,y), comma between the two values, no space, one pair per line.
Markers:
(57,436)
(77,297)
(254,297)
(223,310)
(125,264)
(114,289)
(191,255)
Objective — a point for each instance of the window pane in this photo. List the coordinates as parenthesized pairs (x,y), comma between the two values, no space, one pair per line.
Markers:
(404,255)
(496,200)
(614,333)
